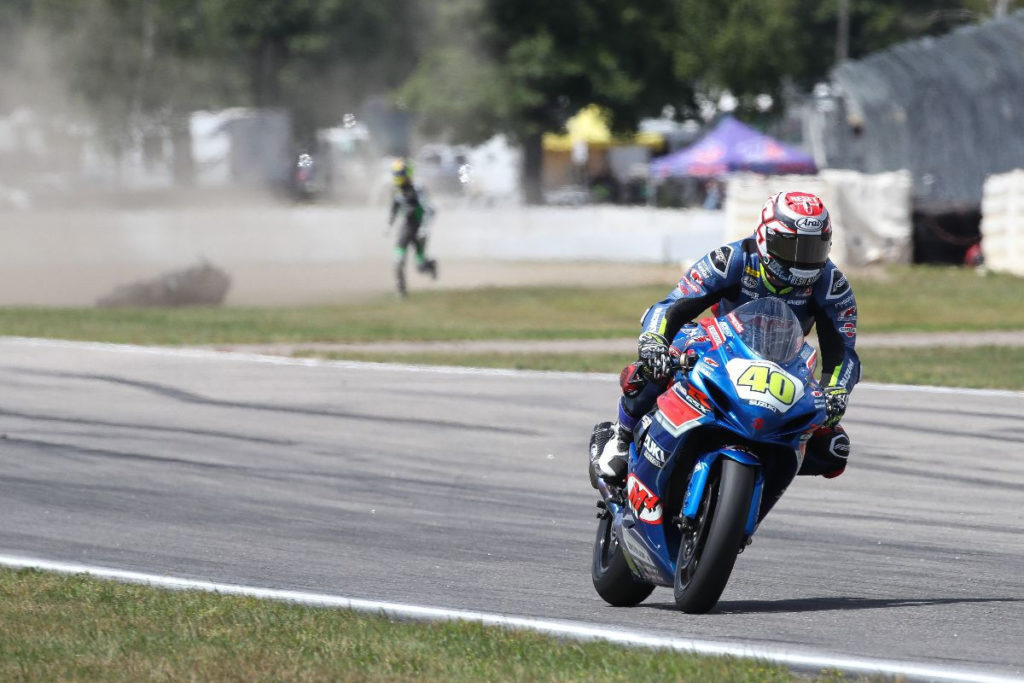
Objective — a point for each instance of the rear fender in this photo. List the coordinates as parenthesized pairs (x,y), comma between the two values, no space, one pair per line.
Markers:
(699,480)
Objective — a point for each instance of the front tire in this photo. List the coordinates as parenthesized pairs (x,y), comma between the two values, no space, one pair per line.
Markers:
(612,577)
(708,551)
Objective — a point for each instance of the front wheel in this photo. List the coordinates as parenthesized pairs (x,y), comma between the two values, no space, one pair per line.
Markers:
(613,580)
(708,549)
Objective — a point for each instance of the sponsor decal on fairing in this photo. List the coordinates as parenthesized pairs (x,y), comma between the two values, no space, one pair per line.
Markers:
(698,399)
(637,552)
(812,361)
(713,331)
(645,505)
(675,413)
(653,453)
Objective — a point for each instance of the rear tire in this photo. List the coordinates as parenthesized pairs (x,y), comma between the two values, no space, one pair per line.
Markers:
(708,552)
(612,577)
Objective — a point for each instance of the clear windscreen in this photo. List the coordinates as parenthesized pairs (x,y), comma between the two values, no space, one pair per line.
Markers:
(770,328)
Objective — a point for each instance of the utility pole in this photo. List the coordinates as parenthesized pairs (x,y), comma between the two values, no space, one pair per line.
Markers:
(842,30)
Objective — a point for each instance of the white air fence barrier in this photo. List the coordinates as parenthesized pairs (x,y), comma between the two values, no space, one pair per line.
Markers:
(1002,222)
(871,213)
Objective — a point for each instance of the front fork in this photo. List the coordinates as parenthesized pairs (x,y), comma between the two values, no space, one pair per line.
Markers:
(699,480)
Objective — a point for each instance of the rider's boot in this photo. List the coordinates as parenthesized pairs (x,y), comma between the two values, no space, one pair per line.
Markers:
(609,450)
(427,266)
(826,452)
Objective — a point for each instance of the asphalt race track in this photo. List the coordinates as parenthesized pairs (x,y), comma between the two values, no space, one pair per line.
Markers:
(467,490)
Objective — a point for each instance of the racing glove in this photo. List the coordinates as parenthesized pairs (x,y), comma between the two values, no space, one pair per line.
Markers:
(652,350)
(835,405)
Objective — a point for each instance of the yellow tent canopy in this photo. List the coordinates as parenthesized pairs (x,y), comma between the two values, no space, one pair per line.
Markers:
(589,126)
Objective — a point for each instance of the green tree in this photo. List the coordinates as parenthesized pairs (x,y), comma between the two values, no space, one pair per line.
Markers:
(523,67)
(752,47)
(141,65)
(317,58)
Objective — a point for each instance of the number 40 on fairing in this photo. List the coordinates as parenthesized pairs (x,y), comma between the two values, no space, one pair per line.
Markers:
(765,382)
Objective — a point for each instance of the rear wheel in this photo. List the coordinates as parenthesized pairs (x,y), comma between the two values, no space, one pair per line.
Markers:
(708,549)
(613,580)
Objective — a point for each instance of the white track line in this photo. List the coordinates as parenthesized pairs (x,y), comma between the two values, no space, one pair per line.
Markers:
(565,629)
(209,354)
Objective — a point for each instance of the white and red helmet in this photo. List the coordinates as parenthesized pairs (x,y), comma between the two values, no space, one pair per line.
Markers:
(794,238)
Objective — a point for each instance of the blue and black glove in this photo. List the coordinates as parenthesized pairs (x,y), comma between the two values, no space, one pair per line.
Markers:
(653,353)
(835,405)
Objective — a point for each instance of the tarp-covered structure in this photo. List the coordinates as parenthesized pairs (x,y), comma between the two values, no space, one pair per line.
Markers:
(948,109)
(733,146)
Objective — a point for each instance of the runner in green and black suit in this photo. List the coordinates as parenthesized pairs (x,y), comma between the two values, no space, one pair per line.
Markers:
(411,202)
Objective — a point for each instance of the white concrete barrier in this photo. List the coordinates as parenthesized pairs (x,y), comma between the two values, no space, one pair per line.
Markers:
(65,257)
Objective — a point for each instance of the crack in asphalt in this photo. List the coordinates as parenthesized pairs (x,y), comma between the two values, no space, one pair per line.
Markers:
(39,417)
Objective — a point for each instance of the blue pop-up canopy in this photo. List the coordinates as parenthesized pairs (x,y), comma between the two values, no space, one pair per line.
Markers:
(733,146)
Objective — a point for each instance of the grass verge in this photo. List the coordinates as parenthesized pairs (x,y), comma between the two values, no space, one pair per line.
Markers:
(890,300)
(58,627)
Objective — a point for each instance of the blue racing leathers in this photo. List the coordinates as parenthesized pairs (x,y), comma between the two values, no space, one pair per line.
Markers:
(732,275)
(728,277)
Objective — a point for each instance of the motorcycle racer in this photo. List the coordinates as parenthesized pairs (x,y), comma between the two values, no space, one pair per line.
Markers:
(786,257)
(410,200)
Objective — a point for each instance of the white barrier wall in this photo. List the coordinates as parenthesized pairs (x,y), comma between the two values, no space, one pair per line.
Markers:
(598,233)
(1002,222)
(73,257)
(303,234)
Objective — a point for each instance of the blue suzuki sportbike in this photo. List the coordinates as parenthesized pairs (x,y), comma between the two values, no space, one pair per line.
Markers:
(738,412)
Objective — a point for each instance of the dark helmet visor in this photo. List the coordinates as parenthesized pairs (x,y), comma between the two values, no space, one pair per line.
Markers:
(802,251)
